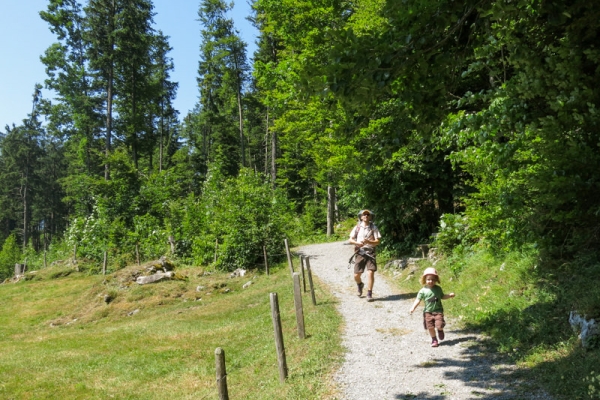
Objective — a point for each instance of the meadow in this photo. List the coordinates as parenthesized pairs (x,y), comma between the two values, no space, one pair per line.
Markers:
(69,335)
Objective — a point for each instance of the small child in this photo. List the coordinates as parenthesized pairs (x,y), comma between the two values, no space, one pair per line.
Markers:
(433,314)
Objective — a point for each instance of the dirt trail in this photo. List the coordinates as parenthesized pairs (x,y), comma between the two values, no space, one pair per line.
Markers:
(388,352)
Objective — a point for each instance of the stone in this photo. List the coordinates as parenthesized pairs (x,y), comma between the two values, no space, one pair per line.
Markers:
(247,285)
(432,255)
(588,330)
(398,264)
(238,272)
(143,280)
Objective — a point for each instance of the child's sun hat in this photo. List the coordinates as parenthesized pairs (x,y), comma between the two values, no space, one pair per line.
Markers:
(430,271)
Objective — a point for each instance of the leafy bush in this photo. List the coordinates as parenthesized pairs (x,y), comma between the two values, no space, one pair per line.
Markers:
(9,256)
(150,235)
(593,381)
(242,214)
(453,234)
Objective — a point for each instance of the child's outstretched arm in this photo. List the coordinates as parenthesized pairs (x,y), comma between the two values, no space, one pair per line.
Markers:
(415,304)
(448,296)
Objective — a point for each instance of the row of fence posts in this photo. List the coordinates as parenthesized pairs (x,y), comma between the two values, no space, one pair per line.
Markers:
(21,268)
(137,257)
(275,316)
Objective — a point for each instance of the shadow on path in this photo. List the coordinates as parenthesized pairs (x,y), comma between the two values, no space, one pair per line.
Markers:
(396,297)
(475,372)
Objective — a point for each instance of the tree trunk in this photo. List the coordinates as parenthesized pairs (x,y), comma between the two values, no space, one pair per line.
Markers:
(109,98)
(160,141)
(240,110)
(330,210)
(267,144)
(25,214)
(241,121)
(273,153)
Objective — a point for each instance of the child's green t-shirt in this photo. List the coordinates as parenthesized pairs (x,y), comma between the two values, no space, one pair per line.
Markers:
(432,298)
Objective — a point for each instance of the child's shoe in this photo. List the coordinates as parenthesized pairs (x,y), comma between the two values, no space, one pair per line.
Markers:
(441,335)
(434,342)
(360,288)
(369,295)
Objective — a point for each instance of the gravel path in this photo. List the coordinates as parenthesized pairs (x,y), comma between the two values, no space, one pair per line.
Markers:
(388,353)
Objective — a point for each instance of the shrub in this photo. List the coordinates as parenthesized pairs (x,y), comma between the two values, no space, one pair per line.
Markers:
(9,256)
(453,233)
(243,214)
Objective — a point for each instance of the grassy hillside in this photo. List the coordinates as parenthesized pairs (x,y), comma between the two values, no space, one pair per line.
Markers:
(60,338)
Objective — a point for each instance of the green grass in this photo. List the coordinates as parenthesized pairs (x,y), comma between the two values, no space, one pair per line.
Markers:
(523,305)
(60,340)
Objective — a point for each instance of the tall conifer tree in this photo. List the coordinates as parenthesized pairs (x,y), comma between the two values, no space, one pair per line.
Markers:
(222,75)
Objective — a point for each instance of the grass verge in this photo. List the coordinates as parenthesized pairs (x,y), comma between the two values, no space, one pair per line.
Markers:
(522,304)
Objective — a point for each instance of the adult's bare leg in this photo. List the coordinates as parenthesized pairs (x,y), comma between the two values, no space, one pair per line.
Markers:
(371,275)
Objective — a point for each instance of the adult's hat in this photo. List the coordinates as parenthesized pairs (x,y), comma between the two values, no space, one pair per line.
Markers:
(371,213)
(430,271)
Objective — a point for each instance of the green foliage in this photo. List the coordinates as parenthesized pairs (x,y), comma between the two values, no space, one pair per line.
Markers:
(150,237)
(453,234)
(243,214)
(593,382)
(313,221)
(9,256)
(222,76)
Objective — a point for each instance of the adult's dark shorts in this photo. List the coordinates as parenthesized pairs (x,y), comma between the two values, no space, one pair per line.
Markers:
(360,262)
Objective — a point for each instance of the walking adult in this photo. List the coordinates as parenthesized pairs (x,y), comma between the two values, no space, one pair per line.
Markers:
(365,237)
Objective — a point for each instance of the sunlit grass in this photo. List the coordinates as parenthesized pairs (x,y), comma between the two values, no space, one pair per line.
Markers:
(60,339)
(523,305)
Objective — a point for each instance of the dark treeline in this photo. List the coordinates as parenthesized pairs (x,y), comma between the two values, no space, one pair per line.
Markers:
(477,120)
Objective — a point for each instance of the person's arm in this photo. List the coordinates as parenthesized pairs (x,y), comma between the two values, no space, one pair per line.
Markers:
(371,242)
(448,296)
(415,304)
(354,242)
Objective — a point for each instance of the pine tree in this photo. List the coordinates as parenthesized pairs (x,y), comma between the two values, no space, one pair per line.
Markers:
(100,34)
(222,75)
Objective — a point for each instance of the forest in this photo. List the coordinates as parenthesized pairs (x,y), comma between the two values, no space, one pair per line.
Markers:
(476,122)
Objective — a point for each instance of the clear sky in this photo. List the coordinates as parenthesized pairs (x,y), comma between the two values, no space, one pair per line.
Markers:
(25,37)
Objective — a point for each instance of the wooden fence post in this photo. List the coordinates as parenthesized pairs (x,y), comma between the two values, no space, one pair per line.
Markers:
(289,256)
(283,370)
(172,244)
(310,281)
(137,253)
(266,261)
(221,373)
(330,210)
(303,277)
(216,248)
(298,304)
(104,264)
(75,254)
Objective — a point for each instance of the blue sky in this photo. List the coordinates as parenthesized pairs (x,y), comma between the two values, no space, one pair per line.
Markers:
(25,37)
